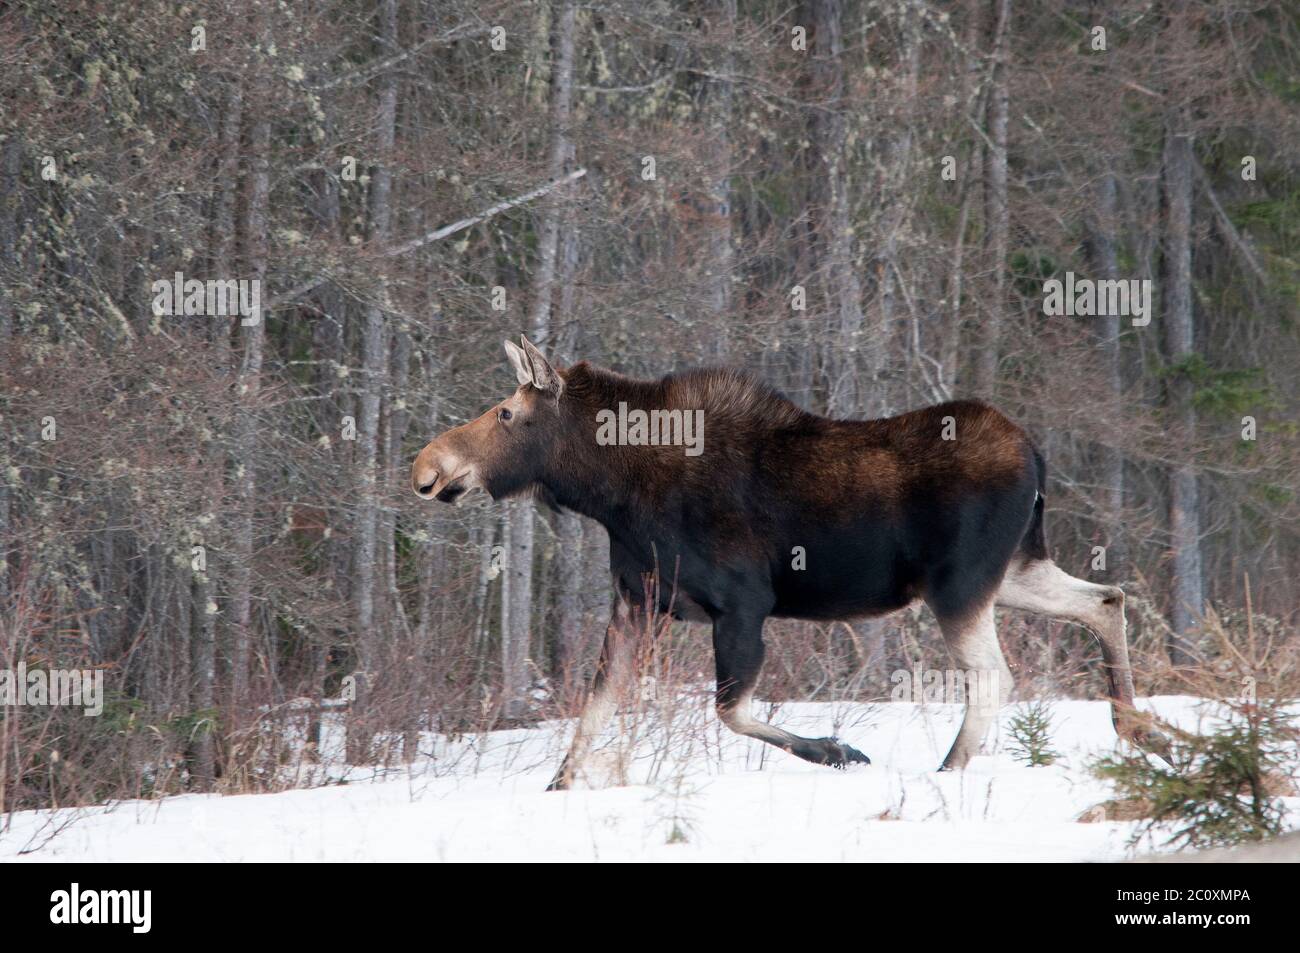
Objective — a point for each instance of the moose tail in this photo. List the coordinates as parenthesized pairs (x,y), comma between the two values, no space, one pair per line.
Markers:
(1034,543)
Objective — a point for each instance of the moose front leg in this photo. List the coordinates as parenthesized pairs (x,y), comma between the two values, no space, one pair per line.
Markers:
(612,672)
(738,652)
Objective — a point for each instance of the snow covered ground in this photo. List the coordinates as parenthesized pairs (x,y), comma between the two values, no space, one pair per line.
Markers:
(714,797)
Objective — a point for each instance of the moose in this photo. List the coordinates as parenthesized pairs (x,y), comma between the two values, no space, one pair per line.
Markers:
(943,505)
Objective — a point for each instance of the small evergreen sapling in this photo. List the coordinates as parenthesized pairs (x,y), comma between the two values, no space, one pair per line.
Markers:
(1031,735)
(1221,788)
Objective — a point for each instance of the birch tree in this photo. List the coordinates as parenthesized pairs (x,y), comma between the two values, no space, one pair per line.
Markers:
(517,632)
(374,368)
(830,207)
(996,214)
(1180,347)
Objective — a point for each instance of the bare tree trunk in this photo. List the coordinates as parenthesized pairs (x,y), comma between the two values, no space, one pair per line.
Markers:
(881,348)
(486,534)
(374,363)
(830,210)
(173,656)
(1106,259)
(996,220)
(514,635)
(247,388)
(221,235)
(721,252)
(1180,341)
(569,526)
(431,557)
(569,603)
(559,152)
(222,258)
(398,420)
(516,638)
(959,334)
(951,330)
(10,214)
(331,345)
(402,640)
(203,664)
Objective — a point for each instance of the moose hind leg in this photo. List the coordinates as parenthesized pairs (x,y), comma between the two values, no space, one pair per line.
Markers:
(972,642)
(1039,585)
(738,651)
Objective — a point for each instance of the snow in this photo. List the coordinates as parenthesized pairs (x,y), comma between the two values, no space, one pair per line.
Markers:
(711,797)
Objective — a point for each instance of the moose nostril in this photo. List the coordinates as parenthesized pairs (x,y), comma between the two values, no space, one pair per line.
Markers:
(426,489)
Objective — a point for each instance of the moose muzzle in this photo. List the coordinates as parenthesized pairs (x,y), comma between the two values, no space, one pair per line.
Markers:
(438,474)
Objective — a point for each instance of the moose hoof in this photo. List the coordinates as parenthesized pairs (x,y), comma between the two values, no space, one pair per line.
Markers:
(560,782)
(840,755)
(956,760)
(1140,734)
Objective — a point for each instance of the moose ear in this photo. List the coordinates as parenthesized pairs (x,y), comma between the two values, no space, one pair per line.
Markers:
(519,361)
(544,376)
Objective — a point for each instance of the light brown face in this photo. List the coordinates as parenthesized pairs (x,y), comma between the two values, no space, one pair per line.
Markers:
(501,451)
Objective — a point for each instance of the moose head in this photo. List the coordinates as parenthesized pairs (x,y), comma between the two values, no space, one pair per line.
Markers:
(502,451)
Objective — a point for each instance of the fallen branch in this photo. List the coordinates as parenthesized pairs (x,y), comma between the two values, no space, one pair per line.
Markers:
(1229,230)
(463,32)
(497,209)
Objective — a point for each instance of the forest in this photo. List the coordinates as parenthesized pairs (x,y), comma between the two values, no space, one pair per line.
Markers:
(254,255)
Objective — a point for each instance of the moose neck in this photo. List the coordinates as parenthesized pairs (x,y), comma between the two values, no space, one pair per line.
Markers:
(616,484)
(629,485)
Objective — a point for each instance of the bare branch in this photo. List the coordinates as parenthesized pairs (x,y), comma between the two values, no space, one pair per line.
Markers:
(497,209)
(437,234)
(462,32)
(1234,237)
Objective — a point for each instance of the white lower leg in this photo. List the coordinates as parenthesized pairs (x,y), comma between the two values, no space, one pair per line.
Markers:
(1043,587)
(973,644)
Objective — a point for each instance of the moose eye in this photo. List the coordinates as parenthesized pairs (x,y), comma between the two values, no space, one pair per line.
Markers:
(504,414)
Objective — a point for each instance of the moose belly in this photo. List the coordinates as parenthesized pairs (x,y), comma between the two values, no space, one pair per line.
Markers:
(838,579)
